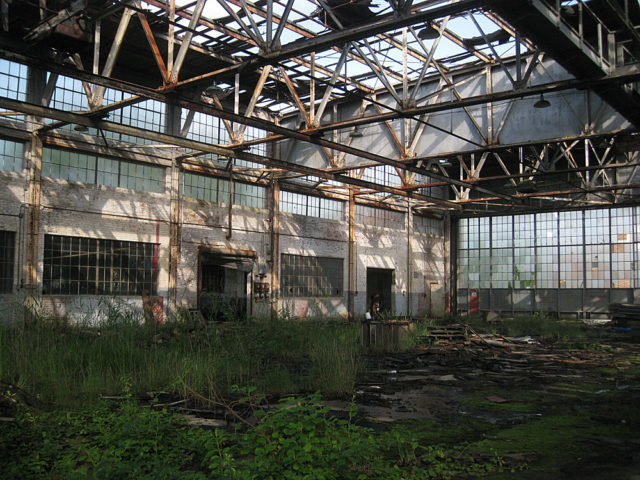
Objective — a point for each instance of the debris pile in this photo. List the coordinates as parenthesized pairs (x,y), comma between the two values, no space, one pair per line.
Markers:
(454,333)
(626,315)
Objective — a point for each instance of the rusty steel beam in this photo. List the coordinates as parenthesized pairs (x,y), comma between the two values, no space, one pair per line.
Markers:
(572,191)
(69,117)
(154,47)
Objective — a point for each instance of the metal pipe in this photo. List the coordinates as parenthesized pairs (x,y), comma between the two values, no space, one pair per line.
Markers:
(230,222)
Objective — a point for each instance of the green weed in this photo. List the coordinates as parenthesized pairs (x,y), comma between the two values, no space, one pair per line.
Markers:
(75,364)
(296,439)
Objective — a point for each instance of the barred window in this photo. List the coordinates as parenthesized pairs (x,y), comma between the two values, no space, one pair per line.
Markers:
(69,94)
(80,167)
(382,174)
(249,195)
(11,154)
(311,206)
(203,188)
(136,176)
(147,115)
(205,128)
(13,80)
(216,190)
(7,250)
(379,217)
(302,276)
(429,225)
(76,266)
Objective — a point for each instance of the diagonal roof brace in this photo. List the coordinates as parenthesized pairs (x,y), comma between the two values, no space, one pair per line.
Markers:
(80,119)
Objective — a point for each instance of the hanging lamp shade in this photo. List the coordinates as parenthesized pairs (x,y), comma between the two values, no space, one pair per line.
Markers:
(428,32)
(542,103)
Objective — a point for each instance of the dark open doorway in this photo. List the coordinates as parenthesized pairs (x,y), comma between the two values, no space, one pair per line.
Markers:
(222,287)
(379,285)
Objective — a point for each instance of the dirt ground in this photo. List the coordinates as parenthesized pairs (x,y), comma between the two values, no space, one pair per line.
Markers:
(546,411)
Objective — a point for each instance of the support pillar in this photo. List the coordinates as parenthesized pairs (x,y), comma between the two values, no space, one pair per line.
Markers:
(450,269)
(34,160)
(409,260)
(36,84)
(352,258)
(274,222)
(173,127)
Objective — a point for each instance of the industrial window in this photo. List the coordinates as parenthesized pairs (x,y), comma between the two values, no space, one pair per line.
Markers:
(474,268)
(136,176)
(572,249)
(428,225)
(463,268)
(13,80)
(302,276)
(485,252)
(383,175)
(547,267)
(11,154)
(501,232)
(622,251)
(502,268)
(523,231)
(249,195)
(252,133)
(379,217)
(463,234)
(524,268)
(76,266)
(547,270)
(69,94)
(206,188)
(485,232)
(597,250)
(425,180)
(209,129)
(301,204)
(598,274)
(205,128)
(571,266)
(485,268)
(85,168)
(147,115)
(596,227)
(7,249)
(473,234)
(216,190)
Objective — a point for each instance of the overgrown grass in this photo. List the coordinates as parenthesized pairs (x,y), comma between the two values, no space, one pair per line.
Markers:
(70,365)
(297,439)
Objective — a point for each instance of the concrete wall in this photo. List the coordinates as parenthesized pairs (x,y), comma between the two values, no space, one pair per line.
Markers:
(95,211)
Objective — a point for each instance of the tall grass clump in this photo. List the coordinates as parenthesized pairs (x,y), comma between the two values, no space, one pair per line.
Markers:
(71,365)
(335,358)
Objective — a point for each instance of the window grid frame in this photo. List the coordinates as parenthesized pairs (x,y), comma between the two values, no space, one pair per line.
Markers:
(563,260)
(380,217)
(7,260)
(11,155)
(95,266)
(58,163)
(311,276)
(311,205)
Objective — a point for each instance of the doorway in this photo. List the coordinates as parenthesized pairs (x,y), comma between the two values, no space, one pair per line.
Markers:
(379,286)
(222,286)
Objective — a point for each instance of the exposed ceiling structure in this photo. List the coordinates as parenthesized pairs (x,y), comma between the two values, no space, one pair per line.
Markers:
(441,103)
